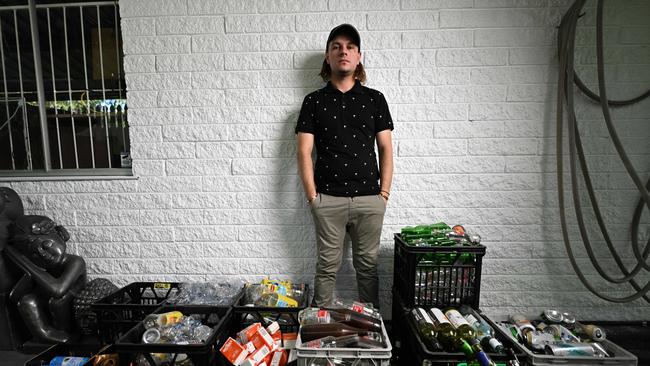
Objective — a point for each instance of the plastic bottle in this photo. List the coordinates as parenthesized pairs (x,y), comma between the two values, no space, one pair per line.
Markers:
(201,333)
(68,361)
(359,307)
(325,342)
(253,292)
(160,320)
(273,299)
(445,331)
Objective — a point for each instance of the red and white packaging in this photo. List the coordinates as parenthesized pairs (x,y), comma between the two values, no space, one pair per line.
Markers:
(267,359)
(234,352)
(289,340)
(249,362)
(250,347)
(244,336)
(273,328)
(276,334)
(262,338)
(259,355)
(279,358)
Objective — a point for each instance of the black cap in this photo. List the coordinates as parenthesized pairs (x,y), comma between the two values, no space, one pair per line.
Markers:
(344,29)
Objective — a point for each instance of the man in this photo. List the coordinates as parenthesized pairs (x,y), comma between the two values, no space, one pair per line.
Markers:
(346,190)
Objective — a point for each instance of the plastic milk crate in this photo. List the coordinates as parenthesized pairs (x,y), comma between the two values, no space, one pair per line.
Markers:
(437,276)
(286,317)
(124,308)
(433,276)
(220,319)
(619,356)
(308,356)
(420,354)
(69,350)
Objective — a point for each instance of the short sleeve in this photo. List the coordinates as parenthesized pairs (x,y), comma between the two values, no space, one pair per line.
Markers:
(383,119)
(306,118)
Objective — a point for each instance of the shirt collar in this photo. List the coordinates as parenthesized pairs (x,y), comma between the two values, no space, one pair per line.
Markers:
(356,89)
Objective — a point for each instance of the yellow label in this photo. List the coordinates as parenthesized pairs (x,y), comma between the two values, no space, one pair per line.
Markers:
(291,303)
(171,317)
(268,281)
(162,285)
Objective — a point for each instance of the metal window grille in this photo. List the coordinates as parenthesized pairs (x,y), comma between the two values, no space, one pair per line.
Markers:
(79,125)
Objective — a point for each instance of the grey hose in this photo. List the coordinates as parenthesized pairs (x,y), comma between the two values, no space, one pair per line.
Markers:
(566,40)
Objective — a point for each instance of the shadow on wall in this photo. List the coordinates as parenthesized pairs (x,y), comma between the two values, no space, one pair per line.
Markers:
(286,182)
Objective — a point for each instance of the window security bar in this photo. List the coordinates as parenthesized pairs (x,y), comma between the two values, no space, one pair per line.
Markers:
(83,110)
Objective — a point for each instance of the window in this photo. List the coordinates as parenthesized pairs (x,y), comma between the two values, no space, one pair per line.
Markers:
(83,115)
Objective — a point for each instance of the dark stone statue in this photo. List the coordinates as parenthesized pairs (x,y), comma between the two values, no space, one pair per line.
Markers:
(11,207)
(49,278)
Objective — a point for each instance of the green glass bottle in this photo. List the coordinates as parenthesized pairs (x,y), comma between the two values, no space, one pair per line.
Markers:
(475,354)
(463,329)
(426,329)
(445,331)
(480,355)
(439,226)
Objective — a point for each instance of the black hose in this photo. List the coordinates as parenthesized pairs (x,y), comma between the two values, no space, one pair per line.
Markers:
(566,40)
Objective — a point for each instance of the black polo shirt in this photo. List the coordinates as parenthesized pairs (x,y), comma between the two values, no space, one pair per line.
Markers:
(344,126)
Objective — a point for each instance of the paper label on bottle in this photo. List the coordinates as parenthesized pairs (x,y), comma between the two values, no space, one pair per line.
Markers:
(358,307)
(439,316)
(495,344)
(323,316)
(472,320)
(425,316)
(455,318)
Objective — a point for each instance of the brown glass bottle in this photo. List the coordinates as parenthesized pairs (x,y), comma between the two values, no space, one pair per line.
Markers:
(355,319)
(314,331)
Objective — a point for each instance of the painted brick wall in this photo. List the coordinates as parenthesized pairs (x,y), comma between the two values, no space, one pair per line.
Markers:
(214,88)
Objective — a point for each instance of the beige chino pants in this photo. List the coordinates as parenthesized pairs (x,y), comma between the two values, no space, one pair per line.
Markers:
(362,217)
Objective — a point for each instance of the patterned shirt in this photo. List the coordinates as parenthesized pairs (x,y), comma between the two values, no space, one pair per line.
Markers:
(344,126)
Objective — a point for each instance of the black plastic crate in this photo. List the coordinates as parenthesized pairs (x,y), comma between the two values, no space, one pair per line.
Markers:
(124,308)
(417,353)
(619,355)
(421,279)
(69,350)
(219,318)
(287,317)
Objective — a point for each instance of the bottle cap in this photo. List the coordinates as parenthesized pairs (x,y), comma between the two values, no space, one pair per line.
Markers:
(151,335)
(552,316)
(568,319)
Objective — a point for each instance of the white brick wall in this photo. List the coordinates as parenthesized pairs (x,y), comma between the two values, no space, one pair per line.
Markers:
(214,88)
